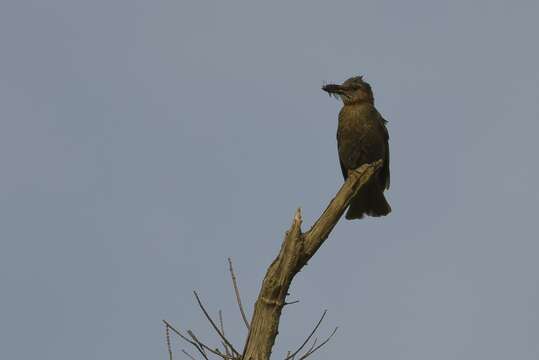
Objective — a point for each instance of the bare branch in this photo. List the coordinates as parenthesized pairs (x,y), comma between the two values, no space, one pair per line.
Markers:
(291,302)
(189,355)
(227,351)
(237,291)
(206,347)
(213,324)
(178,332)
(199,349)
(309,353)
(199,343)
(296,250)
(312,346)
(167,335)
(308,337)
(221,322)
(224,356)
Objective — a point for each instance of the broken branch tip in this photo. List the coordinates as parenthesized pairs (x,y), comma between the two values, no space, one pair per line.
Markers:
(297,215)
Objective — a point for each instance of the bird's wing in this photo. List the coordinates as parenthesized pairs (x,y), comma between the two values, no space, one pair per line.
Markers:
(343,169)
(385,168)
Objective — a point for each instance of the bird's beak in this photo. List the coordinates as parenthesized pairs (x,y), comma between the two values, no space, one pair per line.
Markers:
(333,89)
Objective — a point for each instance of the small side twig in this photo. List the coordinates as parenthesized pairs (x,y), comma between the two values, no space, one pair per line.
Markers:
(308,337)
(196,346)
(221,323)
(312,346)
(206,347)
(195,339)
(309,353)
(213,324)
(189,355)
(167,335)
(291,302)
(237,291)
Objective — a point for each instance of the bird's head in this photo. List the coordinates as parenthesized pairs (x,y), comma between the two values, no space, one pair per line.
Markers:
(352,91)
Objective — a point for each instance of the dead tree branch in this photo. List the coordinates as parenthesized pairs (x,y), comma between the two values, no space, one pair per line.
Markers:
(213,324)
(308,337)
(311,351)
(187,354)
(237,291)
(221,324)
(185,338)
(312,346)
(169,347)
(296,250)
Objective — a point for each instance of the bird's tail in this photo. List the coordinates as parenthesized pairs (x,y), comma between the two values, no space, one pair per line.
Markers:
(369,200)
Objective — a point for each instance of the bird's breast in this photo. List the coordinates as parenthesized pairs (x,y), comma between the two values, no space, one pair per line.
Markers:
(357,119)
(358,136)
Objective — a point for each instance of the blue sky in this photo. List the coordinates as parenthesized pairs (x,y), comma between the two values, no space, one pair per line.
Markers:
(142,143)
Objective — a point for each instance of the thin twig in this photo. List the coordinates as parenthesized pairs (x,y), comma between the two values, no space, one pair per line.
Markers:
(200,350)
(319,346)
(224,356)
(291,302)
(204,346)
(237,290)
(213,324)
(308,337)
(312,346)
(186,353)
(192,335)
(221,323)
(167,335)
(178,333)
(227,351)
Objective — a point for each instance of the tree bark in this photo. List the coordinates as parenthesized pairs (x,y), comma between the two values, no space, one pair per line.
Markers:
(296,250)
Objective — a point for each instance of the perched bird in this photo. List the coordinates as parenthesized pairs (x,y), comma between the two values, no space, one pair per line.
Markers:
(362,138)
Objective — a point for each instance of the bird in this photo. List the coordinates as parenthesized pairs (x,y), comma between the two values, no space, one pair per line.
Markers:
(362,137)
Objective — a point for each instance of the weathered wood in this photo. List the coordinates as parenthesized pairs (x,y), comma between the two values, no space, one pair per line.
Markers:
(297,248)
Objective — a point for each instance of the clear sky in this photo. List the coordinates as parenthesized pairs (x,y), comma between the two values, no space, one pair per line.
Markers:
(144,142)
